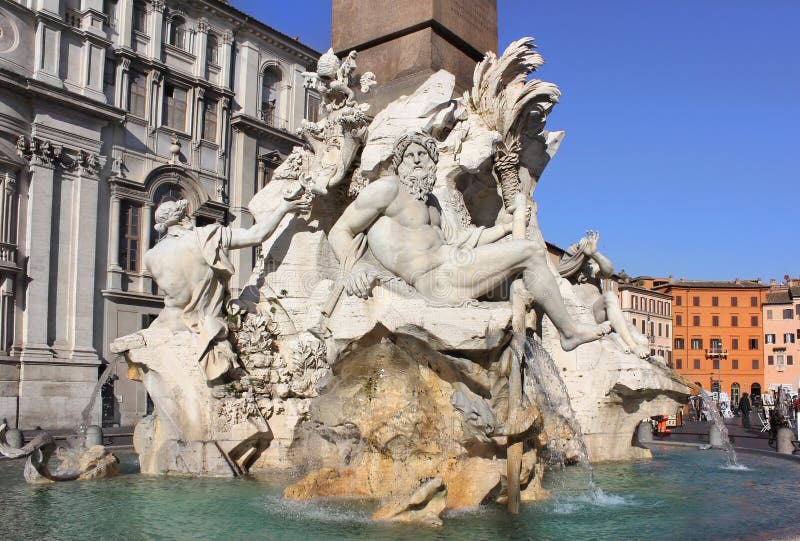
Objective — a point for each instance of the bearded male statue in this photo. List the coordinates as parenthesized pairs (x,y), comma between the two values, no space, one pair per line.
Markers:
(191,266)
(446,263)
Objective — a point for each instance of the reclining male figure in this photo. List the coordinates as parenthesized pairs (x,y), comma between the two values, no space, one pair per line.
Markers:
(410,236)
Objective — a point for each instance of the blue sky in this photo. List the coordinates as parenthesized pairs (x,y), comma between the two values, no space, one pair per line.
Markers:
(682,121)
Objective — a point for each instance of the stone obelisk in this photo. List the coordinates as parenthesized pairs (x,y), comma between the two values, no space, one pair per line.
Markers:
(404,41)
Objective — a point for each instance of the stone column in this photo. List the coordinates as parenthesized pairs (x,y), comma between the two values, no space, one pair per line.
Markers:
(84,223)
(225,59)
(125,23)
(156,28)
(202,41)
(146,232)
(154,99)
(114,270)
(37,249)
(123,80)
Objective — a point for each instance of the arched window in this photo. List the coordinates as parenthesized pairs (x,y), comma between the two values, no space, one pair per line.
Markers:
(715,386)
(755,389)
(178,34)
(270,94)
(735,394)
(212,49)
(164,192)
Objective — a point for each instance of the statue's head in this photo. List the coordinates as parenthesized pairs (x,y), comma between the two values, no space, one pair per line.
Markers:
(414,158)
(170,213)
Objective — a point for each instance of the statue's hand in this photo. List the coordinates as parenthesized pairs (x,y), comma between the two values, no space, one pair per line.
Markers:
(590,248)
(298,205)
(360,281)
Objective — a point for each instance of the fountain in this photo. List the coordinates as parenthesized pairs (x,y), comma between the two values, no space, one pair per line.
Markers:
(405,351)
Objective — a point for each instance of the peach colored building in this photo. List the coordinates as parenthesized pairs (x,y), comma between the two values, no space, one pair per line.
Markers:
(781,314)
(650,312)
(718,333)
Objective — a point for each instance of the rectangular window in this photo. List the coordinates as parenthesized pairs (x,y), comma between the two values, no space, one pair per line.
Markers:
(780,362)
(716,344)
(715,321)
(754,321)
(137,94)
(734,301)
(212,49)
(753,301)
(769,338)
(716,364)
(734,321)
(789,359)
(174,113)
(788,313)
(755,364)
(643,329)
(312,106)
(714,301)
(679,343)
(696,364)
(735,364)
(678,301)
(210,121)
(667,330)
(678,320)
(752,343)
(659,330)
(695,301)
(697,343)
(788,338)
(770,360)
(696,321)
(734,343)
(139,17)
(129,236)
(110,73)
(678,363)
(769,314)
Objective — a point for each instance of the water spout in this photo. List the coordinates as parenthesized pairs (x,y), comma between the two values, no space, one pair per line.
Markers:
(719,423)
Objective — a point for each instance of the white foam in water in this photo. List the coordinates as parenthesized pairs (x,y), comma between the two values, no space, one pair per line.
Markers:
(318,510)
(735,467)
(568,504)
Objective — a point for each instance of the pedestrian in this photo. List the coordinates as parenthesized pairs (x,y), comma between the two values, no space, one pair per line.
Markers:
(744,407)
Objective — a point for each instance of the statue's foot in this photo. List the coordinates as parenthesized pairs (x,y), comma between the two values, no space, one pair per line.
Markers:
(584,333)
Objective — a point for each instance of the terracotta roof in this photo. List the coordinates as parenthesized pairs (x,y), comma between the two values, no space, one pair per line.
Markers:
(718,284)
(643,290)
(780,296)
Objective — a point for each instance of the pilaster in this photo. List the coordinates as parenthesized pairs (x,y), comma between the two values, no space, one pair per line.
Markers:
(156,19)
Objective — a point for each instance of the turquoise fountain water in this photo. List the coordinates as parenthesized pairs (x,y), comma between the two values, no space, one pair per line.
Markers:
(681,494)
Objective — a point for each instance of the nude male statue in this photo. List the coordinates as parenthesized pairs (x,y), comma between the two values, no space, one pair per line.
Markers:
(191,266)
(410,236)
(583,265)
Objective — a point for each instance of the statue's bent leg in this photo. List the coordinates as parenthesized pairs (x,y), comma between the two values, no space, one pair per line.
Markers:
(620,324)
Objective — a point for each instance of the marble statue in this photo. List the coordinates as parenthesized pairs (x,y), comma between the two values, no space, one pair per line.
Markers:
(409,340)
(411,237)
(583,265)
(192,268)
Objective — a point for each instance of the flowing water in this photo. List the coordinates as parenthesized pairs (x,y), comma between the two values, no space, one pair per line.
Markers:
(719,423)
(680,494)
(549,392)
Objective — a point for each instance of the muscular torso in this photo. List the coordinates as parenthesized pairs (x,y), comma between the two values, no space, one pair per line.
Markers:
(407,239)
(177,266)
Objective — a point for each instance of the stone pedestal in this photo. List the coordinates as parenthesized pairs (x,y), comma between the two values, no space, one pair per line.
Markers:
(197,428)
(785,437)
(715,436)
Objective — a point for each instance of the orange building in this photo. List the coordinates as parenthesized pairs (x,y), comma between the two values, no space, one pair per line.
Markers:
(718,338)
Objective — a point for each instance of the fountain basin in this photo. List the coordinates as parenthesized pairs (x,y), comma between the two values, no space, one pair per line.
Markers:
(680,494)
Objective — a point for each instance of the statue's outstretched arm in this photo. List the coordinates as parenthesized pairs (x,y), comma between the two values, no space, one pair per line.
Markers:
(243,238)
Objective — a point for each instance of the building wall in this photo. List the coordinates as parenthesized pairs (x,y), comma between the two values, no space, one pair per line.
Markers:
(710,313)
(650,313)
(84,162)
(782,343)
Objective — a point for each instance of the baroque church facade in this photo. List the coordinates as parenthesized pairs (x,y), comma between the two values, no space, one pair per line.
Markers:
(107,108)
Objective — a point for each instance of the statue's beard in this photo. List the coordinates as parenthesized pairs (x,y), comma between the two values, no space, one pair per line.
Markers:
(419,184)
